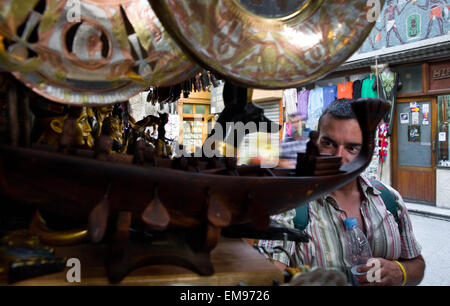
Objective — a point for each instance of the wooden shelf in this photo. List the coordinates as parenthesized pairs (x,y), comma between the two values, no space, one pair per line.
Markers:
(234,261)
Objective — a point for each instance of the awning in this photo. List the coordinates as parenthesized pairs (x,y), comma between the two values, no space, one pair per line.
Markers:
(413,52)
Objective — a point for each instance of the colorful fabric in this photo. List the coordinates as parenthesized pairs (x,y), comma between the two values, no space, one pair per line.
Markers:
(315,106)
(287,129)
(367,90)
(290,101)
(383,143)
(302,104)
(345,90)
(326,247)
(357,85)
(329,95)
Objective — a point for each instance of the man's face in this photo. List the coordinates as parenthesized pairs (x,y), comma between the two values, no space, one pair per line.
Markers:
(296,121)
(340,137)
(296,126)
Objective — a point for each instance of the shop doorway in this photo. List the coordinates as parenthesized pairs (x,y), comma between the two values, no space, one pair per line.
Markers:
(414,149)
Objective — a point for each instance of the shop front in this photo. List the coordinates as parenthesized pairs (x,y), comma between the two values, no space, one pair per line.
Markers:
(413,156)
(440,83)
(420,140)
(412,153)
(195,116)
(413,147)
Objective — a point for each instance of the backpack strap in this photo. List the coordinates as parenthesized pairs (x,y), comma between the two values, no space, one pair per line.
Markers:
(301,219)
(388,199)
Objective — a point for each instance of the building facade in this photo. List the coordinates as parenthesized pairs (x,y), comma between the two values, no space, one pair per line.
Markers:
(412,39)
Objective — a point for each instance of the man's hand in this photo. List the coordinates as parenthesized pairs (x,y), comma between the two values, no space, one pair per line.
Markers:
(390,273)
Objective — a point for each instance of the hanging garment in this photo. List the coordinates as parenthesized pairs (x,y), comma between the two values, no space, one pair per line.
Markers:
(175,93)
(357,89)
(329,95)
(214,80)
(197,83)
(302,104)
(368,89)
(383,142)
(287,129)
(389,84)
(315,106)
(187,88)
(290,101)
(345,90)
(205,80)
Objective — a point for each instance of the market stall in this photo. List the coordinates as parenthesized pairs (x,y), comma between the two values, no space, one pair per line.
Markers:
(101,179)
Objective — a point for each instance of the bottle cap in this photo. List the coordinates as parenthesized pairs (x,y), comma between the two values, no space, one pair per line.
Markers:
(350,223)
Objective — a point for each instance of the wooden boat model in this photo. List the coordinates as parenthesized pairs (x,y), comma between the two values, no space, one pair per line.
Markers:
(185,203)
(198,202)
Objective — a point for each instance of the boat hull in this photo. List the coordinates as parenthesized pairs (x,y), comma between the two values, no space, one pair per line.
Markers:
(73,186)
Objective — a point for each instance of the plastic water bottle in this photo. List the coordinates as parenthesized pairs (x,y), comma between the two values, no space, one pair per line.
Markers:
(358,248)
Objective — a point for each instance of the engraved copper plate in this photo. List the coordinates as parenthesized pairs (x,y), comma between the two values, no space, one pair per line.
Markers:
(77,92)
(106,49)
(267,43)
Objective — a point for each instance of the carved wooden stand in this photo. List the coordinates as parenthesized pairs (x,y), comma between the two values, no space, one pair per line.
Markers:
(190,249)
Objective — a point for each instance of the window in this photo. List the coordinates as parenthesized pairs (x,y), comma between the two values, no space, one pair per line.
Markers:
(197,109)
(411,78)
(443,131)
(188,109)
(200,109)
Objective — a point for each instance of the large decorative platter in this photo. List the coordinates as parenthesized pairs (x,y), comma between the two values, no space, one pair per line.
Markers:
(268,43)
(107,50)
(77,92)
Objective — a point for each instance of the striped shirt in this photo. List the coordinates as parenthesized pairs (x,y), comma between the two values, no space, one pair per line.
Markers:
(326,228)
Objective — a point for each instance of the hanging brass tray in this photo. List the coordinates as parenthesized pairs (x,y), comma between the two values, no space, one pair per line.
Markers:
(267,44)
(89,52)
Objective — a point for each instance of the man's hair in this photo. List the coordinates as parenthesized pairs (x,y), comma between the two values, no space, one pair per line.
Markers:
(340,109)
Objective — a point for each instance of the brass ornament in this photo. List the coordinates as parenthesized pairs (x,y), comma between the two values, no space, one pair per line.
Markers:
(39,228)
(300,42)
(49,129)
(88,52)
